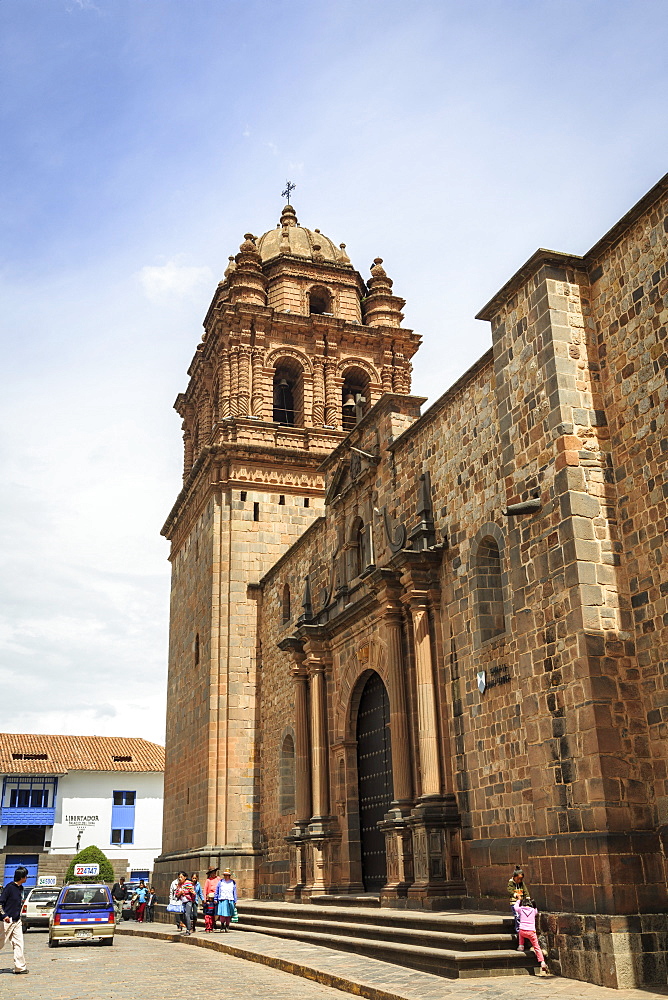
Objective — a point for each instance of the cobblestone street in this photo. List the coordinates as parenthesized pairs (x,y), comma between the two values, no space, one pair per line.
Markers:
(143,967)
(146,969)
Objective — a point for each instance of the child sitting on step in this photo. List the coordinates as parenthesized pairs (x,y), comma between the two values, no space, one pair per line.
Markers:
(526,913)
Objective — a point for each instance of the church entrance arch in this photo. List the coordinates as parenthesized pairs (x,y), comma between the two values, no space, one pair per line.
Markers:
(374,775)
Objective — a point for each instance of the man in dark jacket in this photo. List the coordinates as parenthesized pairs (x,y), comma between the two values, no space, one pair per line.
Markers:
(11,901)
(119,894)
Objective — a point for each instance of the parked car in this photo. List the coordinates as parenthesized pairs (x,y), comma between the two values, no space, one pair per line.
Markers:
(83,913)
(37,907)
(131,885)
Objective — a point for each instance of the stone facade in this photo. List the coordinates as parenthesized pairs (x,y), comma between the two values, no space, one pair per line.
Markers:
(499,563)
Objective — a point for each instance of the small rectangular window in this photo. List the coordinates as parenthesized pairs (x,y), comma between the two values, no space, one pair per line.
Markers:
(118,799)
(127,836)
(307,502)
(243,495)
(256,512)
(281,500)
(115,836)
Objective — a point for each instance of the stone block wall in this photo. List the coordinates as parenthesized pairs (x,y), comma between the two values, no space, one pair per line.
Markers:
(560,763)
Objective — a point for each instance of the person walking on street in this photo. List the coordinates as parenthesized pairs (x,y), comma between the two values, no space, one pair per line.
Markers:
(526,914)
(226,897)
(185,892)
(141,896)
(199,898)
(11,901)
(119,894)
(175,904)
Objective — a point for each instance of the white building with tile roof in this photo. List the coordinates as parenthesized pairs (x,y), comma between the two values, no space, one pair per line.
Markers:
(63,793)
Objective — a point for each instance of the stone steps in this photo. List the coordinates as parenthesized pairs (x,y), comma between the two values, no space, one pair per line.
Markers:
(453,945)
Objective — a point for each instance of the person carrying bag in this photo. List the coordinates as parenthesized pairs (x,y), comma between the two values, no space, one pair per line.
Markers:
(175,905)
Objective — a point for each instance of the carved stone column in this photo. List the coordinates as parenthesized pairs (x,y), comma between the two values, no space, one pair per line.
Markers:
(234,380)
(398,837)
(257,391)
(430,765)
(321,827)
(224,408)
(333,401)
(319,752)
(297,838)
(401,762)
(206,417)
(302,747)
(318,392)
(187,452)
(435,816)
(243,405)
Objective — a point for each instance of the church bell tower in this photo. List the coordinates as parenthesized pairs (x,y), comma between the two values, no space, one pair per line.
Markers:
(296,348)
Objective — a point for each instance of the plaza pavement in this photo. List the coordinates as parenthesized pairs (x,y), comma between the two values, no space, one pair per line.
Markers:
(148,969)
(368,977)
(151,961)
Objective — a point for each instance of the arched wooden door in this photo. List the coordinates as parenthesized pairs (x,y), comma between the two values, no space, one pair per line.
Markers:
(374,772)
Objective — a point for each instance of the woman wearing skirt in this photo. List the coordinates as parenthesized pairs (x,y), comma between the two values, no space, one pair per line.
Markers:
(226,897)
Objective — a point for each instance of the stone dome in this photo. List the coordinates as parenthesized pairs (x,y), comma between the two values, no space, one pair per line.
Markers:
(291,238)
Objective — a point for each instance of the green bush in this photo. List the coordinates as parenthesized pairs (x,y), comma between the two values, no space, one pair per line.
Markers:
(90,856)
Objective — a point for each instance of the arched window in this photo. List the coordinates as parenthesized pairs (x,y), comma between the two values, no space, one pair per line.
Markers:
(320,301)
(354,397)
(285,604)
(489,589)
(288,393)
(286,777)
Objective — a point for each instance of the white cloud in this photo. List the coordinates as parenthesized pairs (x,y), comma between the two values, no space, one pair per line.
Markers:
(173,279)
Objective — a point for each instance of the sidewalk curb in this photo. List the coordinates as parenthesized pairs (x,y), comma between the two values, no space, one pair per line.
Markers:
(283,965)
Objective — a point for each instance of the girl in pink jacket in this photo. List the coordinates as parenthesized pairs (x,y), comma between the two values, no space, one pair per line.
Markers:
(527,913)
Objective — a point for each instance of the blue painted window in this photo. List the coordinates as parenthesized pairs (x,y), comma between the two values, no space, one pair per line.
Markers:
(123,817)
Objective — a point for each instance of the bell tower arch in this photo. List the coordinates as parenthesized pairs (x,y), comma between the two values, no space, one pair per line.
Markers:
(288,324)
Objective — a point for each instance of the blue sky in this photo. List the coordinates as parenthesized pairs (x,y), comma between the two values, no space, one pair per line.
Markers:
(142,138)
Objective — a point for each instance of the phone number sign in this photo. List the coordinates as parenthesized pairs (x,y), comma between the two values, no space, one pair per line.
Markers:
(80,871)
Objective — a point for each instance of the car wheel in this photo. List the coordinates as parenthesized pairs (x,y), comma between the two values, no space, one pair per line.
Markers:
(53,943)
(25,928)
(108,942)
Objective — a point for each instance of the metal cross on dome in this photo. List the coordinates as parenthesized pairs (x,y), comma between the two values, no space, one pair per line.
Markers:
(289,186)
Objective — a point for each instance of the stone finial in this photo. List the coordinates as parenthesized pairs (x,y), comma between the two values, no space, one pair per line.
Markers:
(247,280)
(289,216)
(381,307)
(378,271)
(343,256)
(230,267)
(317,252)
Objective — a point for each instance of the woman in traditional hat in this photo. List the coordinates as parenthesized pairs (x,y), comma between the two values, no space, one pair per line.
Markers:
(226,897)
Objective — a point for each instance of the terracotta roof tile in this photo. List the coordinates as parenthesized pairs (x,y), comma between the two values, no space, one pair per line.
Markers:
(22,754)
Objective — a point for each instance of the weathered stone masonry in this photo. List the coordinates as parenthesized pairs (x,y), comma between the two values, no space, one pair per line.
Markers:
(499,564)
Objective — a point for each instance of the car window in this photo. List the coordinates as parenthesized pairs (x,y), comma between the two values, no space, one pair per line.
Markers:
(85,895)
(43,896)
